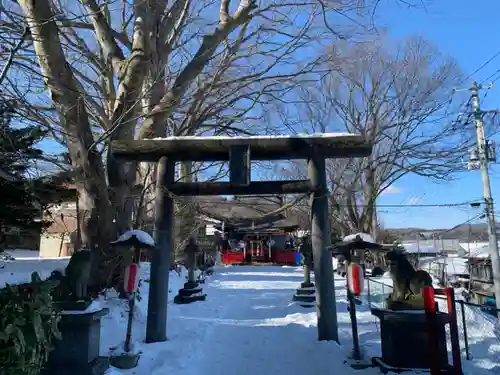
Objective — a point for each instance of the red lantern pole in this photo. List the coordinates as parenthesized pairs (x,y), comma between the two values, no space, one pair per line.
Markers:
(430,315)
(354,288)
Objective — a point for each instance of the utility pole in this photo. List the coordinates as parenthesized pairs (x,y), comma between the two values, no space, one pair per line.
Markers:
(484,153)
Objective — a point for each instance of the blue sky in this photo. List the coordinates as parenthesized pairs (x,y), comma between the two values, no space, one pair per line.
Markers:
(468,31)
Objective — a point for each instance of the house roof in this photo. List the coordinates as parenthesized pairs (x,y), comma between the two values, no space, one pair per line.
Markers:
(251,208)
(440,244)
(265,226)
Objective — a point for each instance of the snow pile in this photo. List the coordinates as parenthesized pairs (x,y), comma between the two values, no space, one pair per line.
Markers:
(222,137)
(456,266)
(93,307)
(19,271)
(363,236)
(416,249)
(141,236)
(480,252)
(21,254)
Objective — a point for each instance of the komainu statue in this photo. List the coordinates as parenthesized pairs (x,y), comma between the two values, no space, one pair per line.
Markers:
(78,272)
(407,282)
(73,281)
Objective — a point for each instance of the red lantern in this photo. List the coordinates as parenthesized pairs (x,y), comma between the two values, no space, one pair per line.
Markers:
(355,279)
(131,279)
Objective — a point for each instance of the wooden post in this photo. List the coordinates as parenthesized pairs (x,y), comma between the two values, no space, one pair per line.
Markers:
(323,269)
(156,329)
(240,165)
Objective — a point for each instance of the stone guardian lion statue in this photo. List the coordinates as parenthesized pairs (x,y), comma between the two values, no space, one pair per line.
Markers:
(406,280)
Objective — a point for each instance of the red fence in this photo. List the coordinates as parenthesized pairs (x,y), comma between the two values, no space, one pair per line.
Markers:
(232,257)
(287,257)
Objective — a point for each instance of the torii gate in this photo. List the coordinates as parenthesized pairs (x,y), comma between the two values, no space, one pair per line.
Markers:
(240,151)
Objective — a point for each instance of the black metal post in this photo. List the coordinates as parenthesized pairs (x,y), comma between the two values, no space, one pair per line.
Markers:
(128,336)
(464,324)
(156,329)
(323,269)
(356,353)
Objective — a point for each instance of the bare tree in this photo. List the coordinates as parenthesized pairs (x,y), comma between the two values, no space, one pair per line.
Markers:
(399,98)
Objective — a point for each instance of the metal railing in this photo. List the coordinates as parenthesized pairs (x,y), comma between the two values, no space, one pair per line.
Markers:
(479,328)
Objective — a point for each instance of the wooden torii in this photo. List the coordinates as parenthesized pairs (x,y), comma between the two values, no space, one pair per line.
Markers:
(240,151)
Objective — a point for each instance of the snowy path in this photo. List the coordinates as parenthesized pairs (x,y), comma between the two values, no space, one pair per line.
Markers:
(260,331)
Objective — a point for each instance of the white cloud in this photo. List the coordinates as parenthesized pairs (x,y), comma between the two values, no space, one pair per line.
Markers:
(391,190)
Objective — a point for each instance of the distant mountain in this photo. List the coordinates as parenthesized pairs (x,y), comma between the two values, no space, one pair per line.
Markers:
(464,233)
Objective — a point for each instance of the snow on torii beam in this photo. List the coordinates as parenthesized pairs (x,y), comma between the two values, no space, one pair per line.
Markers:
(192,148)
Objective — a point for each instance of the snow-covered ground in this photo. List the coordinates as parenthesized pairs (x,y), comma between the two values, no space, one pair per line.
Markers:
(248,325)
(19,270)
(454,265)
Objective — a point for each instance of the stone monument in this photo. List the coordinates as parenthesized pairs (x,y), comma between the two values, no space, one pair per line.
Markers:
(77,352)
(191,292)
(305,295)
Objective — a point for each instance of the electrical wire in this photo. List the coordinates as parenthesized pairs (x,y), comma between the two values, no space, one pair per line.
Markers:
(466,103)
(481,67)
(253,204)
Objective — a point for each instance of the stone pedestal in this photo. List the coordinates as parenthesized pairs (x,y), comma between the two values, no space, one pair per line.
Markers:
(405,339)
(305,295)
(190,293)
(77,353)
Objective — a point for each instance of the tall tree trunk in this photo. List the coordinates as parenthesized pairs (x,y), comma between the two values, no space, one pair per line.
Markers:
(370,192)
(63,89)
(187,215)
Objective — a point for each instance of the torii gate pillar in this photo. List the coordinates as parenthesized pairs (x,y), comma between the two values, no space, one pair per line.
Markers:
(321,240)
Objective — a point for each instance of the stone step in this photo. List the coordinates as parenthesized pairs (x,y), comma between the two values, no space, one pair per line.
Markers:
(304,298)
(302,291)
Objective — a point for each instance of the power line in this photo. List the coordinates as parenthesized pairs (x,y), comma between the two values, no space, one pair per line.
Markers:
(253,204)
(490,77)
(467,102)
(481,67)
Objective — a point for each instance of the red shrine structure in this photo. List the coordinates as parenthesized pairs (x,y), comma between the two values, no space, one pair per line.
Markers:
(262,242)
